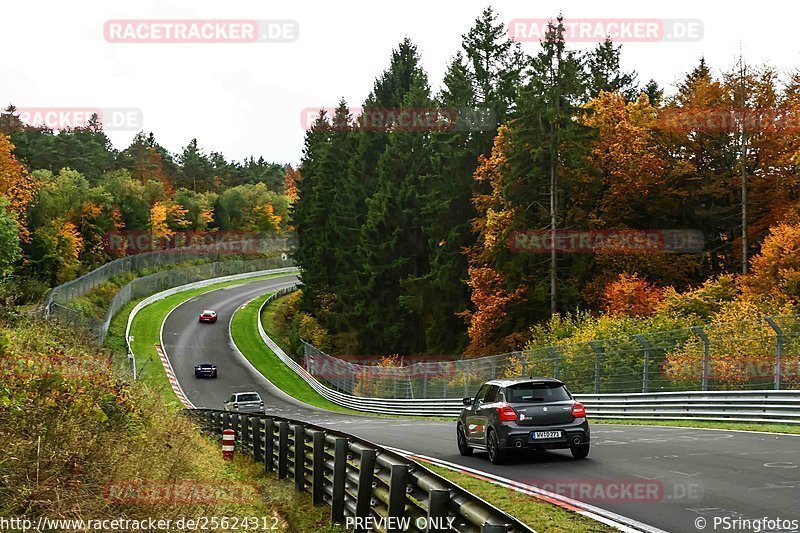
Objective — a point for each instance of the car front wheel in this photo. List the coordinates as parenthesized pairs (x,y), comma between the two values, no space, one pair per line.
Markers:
(496,454)
(461,437)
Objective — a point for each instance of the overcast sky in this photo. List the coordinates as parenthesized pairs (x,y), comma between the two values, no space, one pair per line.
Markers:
(247,98)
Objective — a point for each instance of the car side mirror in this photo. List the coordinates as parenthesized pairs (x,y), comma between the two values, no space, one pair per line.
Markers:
(468,401)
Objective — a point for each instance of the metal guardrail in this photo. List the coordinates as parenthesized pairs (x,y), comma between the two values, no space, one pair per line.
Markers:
(187,287)
(767,406)
(775,406)
(357,478)
(755,354)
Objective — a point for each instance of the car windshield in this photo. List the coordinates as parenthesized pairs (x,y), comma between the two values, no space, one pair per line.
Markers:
(536,392)
(208,312)
(205,365)
(249,397)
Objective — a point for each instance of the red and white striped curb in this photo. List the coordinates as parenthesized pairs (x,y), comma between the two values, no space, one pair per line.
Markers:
(173,381)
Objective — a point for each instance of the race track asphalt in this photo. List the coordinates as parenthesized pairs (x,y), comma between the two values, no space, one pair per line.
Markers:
(682,474)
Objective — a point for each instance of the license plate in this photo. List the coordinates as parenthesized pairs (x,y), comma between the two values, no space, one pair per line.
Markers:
(546,434)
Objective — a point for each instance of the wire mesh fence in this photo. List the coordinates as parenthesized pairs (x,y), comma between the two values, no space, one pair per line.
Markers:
(81,286)
(57,302)
(746,355)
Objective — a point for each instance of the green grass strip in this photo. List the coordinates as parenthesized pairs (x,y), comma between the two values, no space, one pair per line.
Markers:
(146,332)
(703,424)
(540,515)
(244,329)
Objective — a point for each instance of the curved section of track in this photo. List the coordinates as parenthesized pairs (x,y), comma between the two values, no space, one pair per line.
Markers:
(689,473)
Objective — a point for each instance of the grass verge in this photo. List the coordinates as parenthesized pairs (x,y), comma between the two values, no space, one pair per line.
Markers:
(244,329)
(83,442)
(703,424)
(146,331)
(539,515)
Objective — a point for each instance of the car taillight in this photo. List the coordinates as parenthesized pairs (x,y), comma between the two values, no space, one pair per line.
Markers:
(506,413)
(262,403)
(578,410)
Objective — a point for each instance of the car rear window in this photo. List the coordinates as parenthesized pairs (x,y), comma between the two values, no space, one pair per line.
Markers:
(249,398)
(536,392)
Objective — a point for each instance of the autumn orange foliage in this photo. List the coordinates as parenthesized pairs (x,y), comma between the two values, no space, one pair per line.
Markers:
(16,184)
(630,295)
(290,184)
(775,271)
(491,302)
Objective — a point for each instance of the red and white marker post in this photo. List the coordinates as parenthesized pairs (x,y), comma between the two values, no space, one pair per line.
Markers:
(228,439)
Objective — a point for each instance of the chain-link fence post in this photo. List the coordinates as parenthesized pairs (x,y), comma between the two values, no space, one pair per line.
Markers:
(778,350)
(706,356)
(597,348)
(523,363)
(554,354)
(468,365)
(646,368)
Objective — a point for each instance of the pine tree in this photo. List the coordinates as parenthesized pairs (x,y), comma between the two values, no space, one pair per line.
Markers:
(482,78)
(605,72)
(393,247)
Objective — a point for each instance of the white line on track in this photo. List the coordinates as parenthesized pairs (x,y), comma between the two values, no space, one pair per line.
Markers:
(617,521)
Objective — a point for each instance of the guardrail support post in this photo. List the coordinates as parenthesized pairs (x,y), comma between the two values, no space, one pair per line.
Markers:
(245,429)
(597,348)
(778,350)
(283,448)
(269,445)
(299,457)
(227,420)
(255,438)
(339,474)
(236,420)
(438,503)
(646,368)
(366,473)
(706,356)
(318,468)
(398,480)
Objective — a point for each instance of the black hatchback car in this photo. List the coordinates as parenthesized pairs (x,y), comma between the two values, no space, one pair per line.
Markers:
(205,370)
(522,414)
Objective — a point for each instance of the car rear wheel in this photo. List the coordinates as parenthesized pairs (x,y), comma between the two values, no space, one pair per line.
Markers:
(580,452)
(461,437)
(496,454)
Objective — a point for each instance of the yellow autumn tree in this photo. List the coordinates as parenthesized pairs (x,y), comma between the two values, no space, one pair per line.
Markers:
(16,184)
(625,155)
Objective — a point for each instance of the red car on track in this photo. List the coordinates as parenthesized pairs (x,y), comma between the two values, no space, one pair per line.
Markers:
(208,316)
